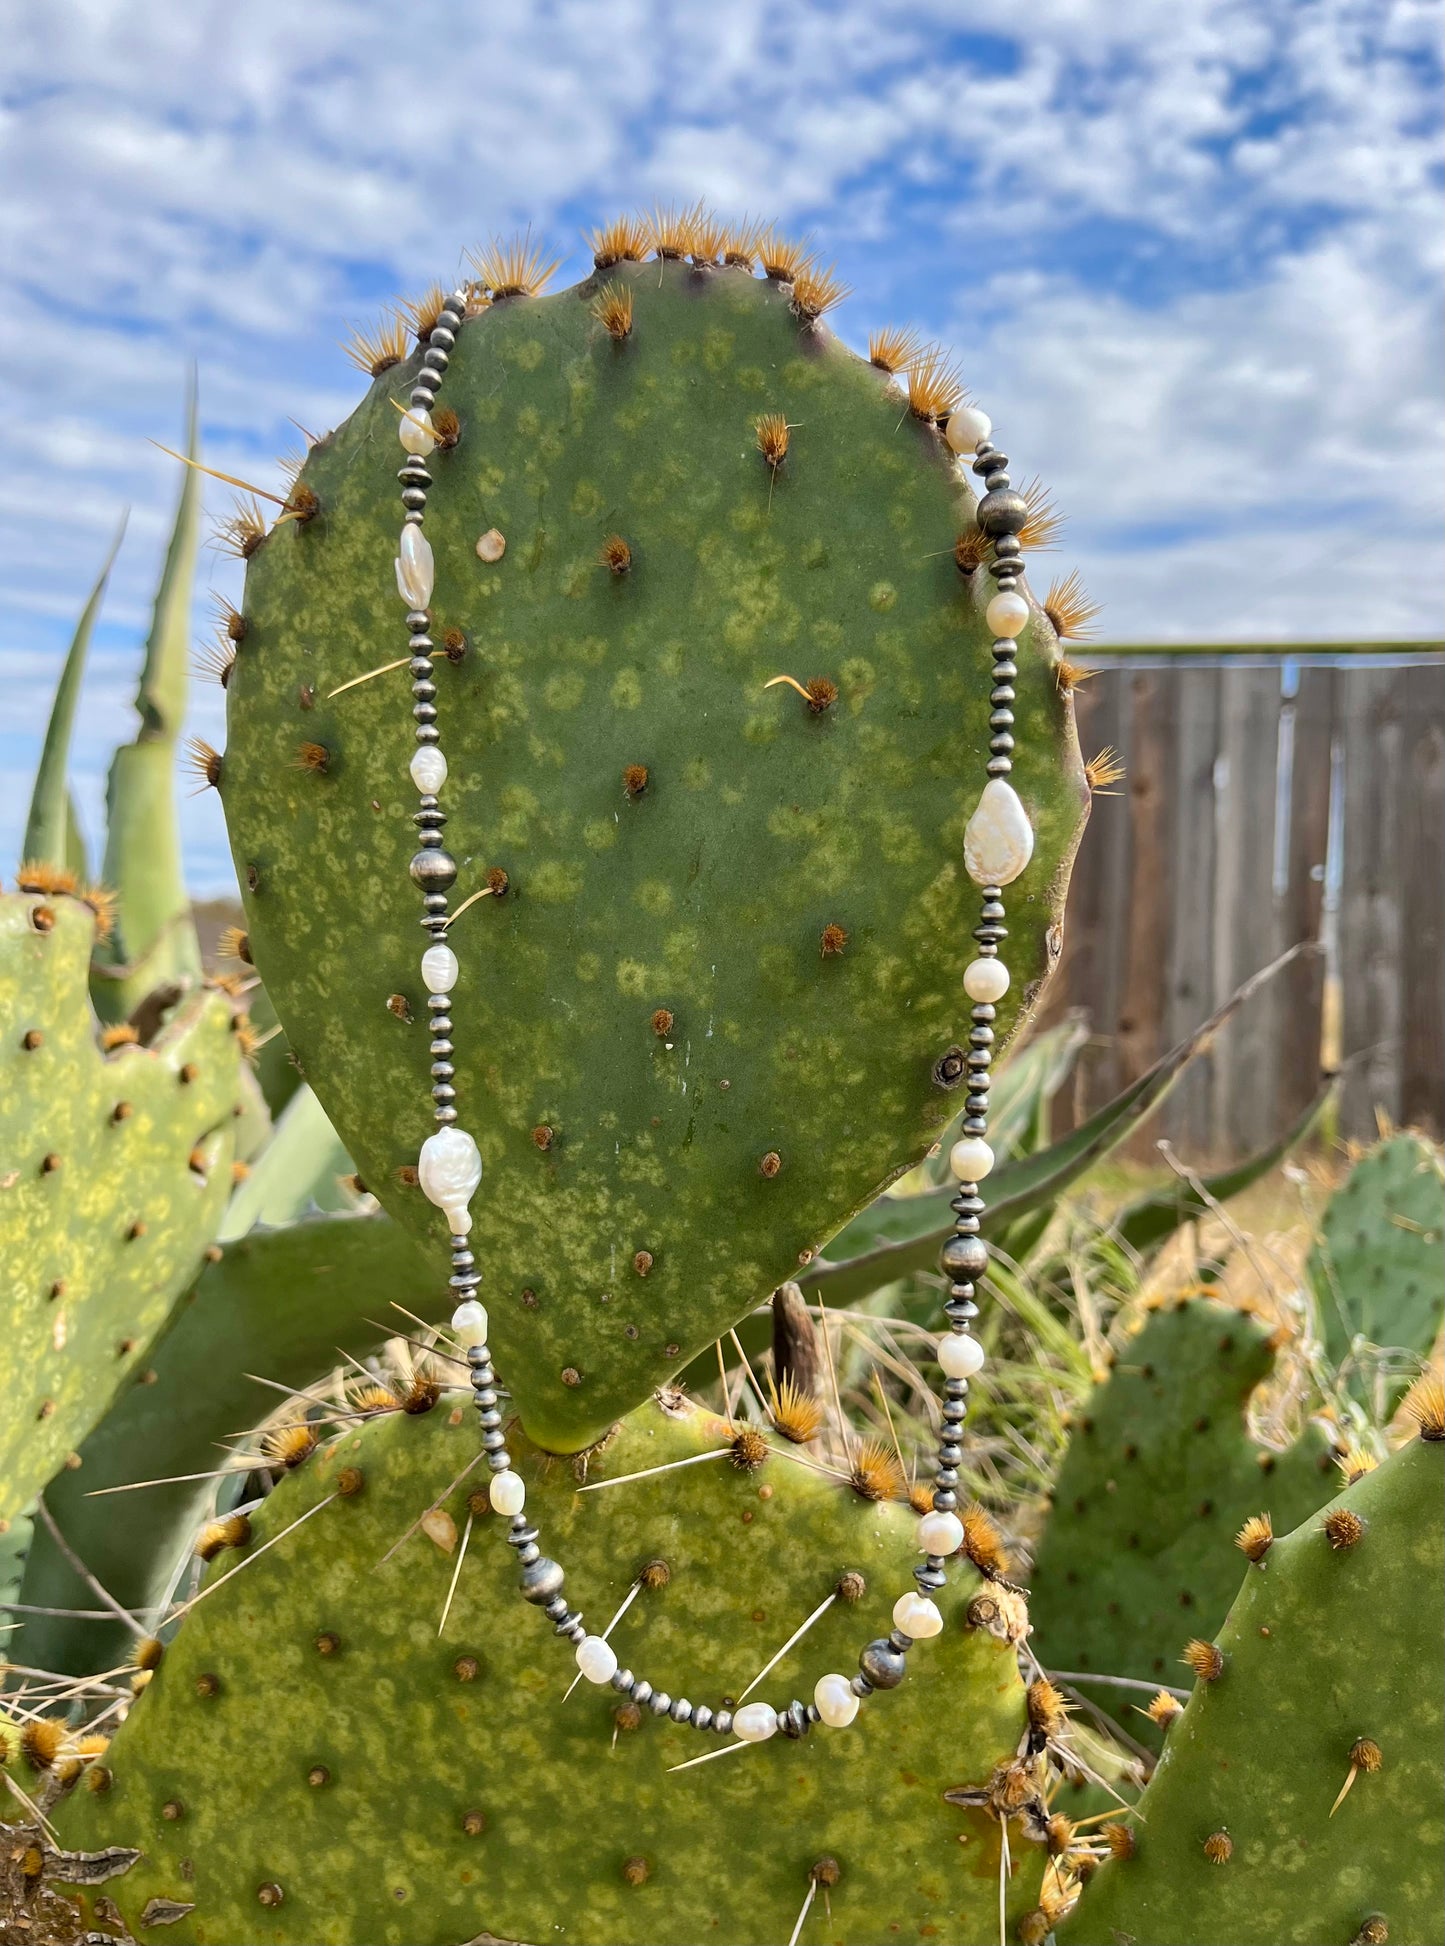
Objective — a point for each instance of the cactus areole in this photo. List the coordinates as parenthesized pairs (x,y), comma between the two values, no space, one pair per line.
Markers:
(680,685)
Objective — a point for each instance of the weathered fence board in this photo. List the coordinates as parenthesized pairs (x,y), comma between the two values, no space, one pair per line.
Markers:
(1264,807)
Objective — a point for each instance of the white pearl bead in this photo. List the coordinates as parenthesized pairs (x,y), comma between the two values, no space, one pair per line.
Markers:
(416,431)
(970,1159)
(1006,614)
(469,1323)
(985,979)
(998,840)
(967,429)
(597,1659)
(415,567)
(940,1534)
(755,1722)
(439,969)
(449,1169)
(916,1616)
(959,1355)
(428,769)
(836,1701)
(508,1493)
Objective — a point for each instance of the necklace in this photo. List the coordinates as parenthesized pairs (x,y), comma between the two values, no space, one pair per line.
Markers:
(998,842)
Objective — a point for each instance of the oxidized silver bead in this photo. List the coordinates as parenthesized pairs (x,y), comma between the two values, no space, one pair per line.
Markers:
(882,1664)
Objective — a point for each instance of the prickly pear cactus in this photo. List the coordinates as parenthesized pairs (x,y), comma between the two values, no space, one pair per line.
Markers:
(1376,1270)
(317,1760)
(1330,1676)
(1159,1476)
(703,1024)
(115,1167)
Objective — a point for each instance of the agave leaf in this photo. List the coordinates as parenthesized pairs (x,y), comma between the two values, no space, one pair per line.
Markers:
(1147,1224)
(52,832)
(300,1170)
(154,945)
(1025,1188)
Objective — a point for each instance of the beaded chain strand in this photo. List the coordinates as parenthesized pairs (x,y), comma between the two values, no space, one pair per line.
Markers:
(997,846)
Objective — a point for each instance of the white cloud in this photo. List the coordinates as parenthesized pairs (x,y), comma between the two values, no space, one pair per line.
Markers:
(1191,254)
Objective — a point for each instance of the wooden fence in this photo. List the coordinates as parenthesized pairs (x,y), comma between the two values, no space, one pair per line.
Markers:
(1264,802)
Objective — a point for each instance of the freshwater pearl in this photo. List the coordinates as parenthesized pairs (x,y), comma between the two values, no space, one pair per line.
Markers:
(959,1355)
(986,980)
(507,1493)
(917,1617)
(469,1323)
(940,1534)
(998,840)
(1006,614)
(428,769)
(597,1659)
(970,1159)
(416,432)
(415,567)
(439,969)
(836,1701)
(755,1722)
(967,429)
(449,1169)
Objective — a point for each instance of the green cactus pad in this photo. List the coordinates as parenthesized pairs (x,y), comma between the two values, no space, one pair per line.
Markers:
(1376,1270)
(285,1303)
(1159,1476)
(413,1732)
(1325,1645)
(114,1171)
(788,1084)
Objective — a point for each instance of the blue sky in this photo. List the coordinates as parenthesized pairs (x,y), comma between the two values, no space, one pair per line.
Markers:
(1189,255)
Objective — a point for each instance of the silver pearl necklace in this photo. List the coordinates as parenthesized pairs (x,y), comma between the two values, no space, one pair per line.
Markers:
(998,843)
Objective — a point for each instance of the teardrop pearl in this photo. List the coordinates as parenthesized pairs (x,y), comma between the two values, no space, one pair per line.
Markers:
(439,969)
(998,840)
(967,429)
(836,1701)
(428,769)
(449,1168)
(416,431)
(415,567)
(508,1493)
(985,980)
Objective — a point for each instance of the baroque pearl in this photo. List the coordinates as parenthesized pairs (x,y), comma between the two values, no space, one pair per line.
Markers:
(836,1701)
(415,567)
(940,1534)
(967,429)
(439,969)
(508,1493)
(755,1722)
(596,1658)
(428,769)
(985,980)
(449,1169)
(469,1323)
(916,1616)
(959,1355)
(970,1159)
(998,840)
(1006,614)
(416,432)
